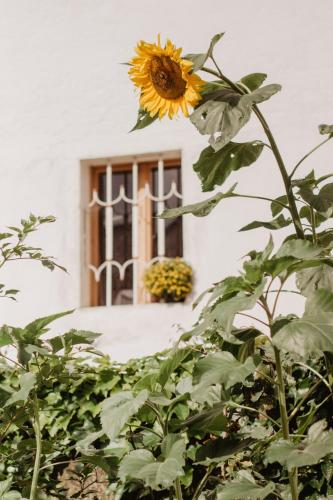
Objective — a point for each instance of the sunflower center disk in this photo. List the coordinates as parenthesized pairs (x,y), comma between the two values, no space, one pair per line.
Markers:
(166,76)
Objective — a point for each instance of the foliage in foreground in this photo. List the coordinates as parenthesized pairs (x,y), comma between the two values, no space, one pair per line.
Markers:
(231,412)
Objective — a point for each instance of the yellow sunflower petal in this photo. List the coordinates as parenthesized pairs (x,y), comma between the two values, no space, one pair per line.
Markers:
(164,79)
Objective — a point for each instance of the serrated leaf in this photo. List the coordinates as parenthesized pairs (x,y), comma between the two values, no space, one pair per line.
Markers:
(300,249)
(317,445)
(313,333)
(118,409)
(144,120)
(214,167)
(37,327)
(222,368)
(200,209)
(27,383)
(253,80)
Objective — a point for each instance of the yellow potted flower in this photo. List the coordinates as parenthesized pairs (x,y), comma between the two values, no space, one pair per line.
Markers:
(169,280)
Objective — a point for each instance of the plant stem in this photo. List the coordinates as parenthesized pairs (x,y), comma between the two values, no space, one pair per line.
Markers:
(308,154)
(38,436)
(275,149)
(293,479)
(178,489)
(202,483)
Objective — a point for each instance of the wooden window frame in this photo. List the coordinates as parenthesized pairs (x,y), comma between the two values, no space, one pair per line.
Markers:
(145,229)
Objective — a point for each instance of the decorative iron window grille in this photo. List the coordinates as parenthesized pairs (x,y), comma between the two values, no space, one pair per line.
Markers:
(125,234)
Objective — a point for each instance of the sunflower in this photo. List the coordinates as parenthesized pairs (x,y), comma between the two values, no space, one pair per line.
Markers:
(165,79)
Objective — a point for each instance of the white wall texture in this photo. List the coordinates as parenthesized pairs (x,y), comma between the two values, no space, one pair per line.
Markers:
(64,96)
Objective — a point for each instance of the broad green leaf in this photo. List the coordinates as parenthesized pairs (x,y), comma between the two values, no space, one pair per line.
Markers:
(276,206)
(72,338)
(142,465)
(212,420)
(222,368)
(253,81)
(221,449)
(173,446)
(220,120)
(118,409)
(322,202)
(27,383)
(223,117)
(200,209)
(261,94)
(144,120)
(37,327)
(314,331)
(199,60)
(309,280)
(176,357)
(325,129)
(300,249)
(274,224)
(5,337)
(317,445)
(214,167)
(244,488)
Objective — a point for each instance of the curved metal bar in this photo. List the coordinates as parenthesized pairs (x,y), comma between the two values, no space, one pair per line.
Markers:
(122,196)
(121,268)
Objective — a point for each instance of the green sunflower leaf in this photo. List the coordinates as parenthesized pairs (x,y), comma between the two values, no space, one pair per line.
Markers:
(214,167)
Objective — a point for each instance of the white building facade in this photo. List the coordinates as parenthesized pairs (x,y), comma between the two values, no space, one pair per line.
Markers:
(66,108)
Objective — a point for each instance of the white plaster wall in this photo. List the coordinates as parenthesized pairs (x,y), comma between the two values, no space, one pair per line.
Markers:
(65,96)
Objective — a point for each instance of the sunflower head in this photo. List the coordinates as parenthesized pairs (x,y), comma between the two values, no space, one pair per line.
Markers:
(164,79)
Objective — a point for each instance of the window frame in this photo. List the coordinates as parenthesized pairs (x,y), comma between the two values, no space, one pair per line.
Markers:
(90,229)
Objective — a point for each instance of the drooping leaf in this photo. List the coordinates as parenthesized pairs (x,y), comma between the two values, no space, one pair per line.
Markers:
(27,383)
(314,331)
(317,445)
(212,420)
(325,129)
(221,449)
(200,209)
(117,410)
(144,120)
(222,368)
(244,488)
(261,94)
(72,338)
(220,120)
(199,60)
(214,167)
(274,224)
(253,80)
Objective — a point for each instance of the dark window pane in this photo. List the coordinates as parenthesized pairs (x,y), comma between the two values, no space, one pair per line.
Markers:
(173,227)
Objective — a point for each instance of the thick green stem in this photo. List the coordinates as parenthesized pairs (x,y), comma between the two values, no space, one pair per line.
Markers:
(293,480)
(38,437)
(285,177)
(178,489)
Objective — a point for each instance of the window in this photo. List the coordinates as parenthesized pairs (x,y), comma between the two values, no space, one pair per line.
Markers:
(124,234)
